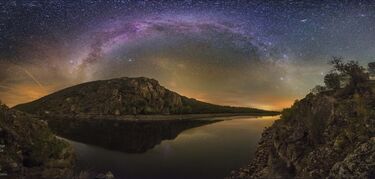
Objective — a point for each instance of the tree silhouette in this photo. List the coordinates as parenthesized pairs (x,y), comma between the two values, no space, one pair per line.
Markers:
(351,69)
(371,68)
(332,81)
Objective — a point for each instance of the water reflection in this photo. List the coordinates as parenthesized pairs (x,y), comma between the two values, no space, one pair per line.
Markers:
(125,136)
(209,151)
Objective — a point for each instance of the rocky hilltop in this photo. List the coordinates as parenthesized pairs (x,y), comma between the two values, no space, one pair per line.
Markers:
(29,150)
(328,134)
(123,96)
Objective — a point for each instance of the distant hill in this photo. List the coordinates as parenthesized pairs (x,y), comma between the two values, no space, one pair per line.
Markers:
(124,96)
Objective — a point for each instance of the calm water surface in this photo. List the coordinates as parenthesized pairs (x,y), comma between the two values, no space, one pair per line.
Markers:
(209,151)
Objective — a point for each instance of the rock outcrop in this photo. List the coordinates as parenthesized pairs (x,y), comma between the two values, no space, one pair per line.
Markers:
(123,96)
(29,150)
(326,135)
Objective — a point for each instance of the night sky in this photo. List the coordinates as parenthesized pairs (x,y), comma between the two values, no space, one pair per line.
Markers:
(261,54)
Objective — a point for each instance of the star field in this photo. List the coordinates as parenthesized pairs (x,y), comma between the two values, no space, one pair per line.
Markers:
(254,53)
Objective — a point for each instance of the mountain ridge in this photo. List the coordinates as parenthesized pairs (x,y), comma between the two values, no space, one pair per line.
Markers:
(124,96)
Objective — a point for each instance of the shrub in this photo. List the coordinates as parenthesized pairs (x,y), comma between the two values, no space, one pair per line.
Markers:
(332,81)
(318,89)
(352,69)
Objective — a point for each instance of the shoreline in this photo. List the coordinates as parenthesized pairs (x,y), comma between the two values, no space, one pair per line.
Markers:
(156,117)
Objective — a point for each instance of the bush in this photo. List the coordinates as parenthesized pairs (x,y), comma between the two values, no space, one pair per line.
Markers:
(351,69)
(318,89)
(332,81)
(371,68)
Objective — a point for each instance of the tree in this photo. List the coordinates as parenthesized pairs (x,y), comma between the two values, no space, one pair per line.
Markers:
(317,89)
(352,69)
(332,81)
(371,68)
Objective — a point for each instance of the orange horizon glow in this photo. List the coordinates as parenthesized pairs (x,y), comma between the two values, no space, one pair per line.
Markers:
(23,93)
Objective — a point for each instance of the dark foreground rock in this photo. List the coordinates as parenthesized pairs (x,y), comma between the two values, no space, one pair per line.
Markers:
(327,135)
(108,175)
(29,150)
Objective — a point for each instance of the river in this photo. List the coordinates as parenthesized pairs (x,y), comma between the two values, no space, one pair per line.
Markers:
(208,151)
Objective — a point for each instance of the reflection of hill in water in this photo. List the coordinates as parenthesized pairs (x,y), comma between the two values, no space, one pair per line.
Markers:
(125,136)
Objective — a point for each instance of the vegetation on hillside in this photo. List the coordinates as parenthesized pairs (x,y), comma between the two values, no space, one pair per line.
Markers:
(349,76)
(29,149)
(124,96)
(328,134)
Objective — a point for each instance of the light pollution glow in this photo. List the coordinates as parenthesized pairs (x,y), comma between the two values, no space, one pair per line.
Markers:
(251,54)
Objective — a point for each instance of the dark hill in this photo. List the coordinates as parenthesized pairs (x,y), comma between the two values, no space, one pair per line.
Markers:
(124,96)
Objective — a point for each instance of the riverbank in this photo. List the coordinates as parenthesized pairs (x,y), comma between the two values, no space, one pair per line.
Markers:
(28,149)
(325,135)
(155,117)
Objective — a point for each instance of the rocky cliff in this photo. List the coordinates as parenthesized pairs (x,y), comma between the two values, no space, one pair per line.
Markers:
(123,96)
(29,150)
(326,135)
